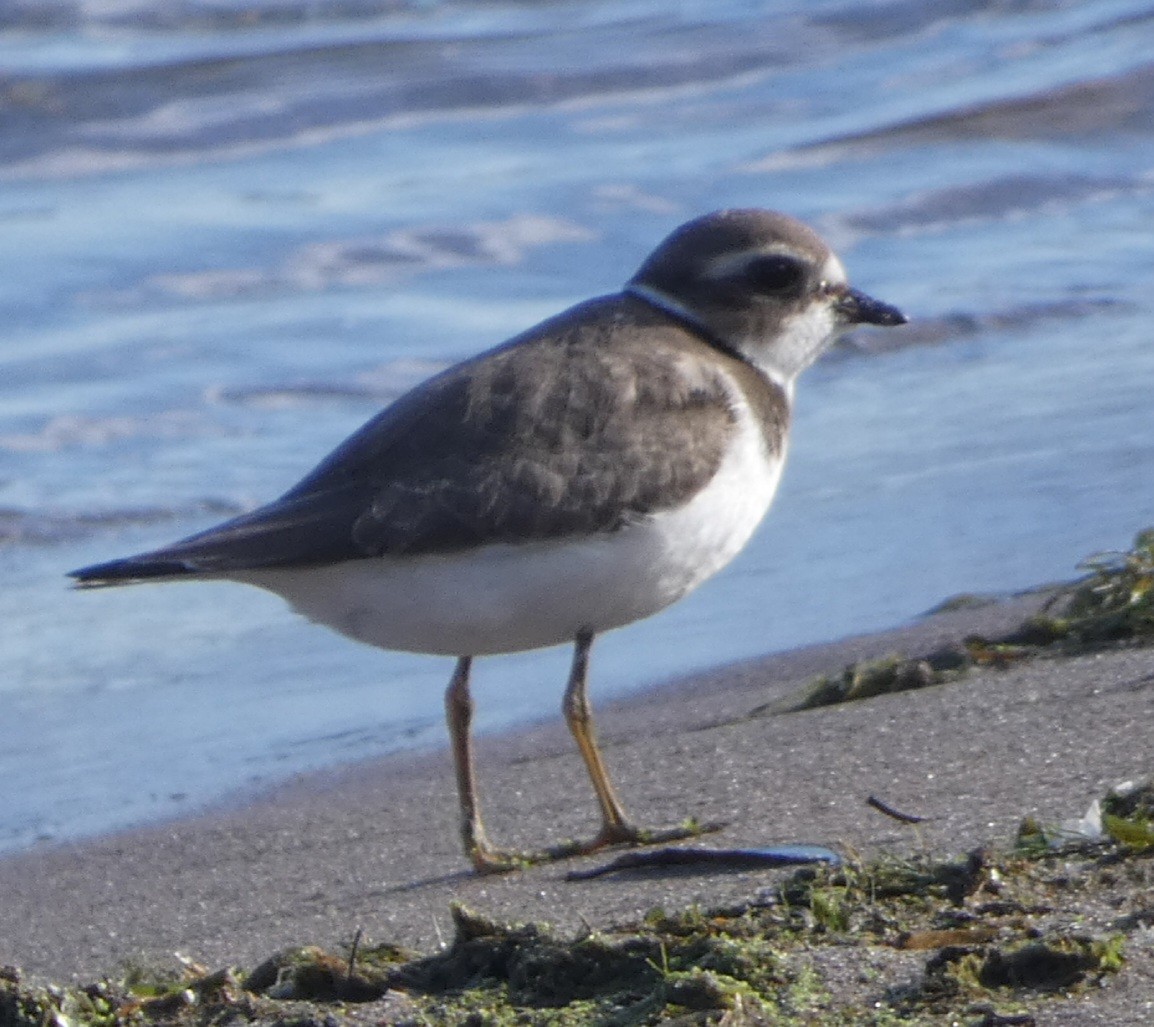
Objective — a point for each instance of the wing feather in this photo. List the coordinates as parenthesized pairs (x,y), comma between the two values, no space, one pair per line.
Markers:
(581,425)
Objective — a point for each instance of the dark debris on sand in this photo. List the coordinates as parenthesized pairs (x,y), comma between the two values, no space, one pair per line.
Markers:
(1112,605)
(992,938)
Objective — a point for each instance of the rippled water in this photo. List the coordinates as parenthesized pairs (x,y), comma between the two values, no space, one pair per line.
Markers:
(231,231)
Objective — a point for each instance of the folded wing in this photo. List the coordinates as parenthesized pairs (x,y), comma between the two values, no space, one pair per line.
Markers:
(559,432)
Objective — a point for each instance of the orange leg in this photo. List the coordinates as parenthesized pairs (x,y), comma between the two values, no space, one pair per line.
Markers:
(616,828)
(615,825)
(459,714)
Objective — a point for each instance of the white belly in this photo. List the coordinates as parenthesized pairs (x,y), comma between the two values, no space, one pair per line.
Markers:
(511,597)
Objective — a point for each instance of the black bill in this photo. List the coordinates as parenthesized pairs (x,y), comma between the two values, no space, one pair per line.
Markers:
(858,308)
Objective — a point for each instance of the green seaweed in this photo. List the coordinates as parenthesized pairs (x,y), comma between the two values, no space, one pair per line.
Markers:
(1116,601)
(1112,605)
(750,963)
(1135,833)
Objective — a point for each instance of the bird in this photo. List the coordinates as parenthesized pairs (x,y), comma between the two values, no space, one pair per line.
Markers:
(583,475)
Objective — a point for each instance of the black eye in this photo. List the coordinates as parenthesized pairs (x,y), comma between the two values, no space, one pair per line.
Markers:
(775,274)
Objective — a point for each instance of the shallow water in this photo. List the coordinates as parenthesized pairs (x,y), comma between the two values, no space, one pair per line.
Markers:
(230,232)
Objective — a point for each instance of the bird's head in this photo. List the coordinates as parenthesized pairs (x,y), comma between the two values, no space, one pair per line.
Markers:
(759,284)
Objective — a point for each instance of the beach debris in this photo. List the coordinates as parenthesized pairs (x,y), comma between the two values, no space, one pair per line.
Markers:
(309,972)
(1053,965)
(1124,816)
(940,939)
(889,811)
(1116,601)
(1078,830)
(1112,605)
(1031,836)
(1128,814)
(802,951)
(863,679)
(1000,934)
(992,1018)
(720,859)
(1126,832)
(1085,832)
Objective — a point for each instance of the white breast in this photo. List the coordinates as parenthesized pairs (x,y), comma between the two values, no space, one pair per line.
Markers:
(511,597)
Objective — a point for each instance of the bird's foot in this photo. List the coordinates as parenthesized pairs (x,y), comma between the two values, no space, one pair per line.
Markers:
(488,860)
(625,833)
(630,834)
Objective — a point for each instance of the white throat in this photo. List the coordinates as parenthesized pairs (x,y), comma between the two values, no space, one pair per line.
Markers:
(802,338)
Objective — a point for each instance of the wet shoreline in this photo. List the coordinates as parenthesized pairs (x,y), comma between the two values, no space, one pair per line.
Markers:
(375,844)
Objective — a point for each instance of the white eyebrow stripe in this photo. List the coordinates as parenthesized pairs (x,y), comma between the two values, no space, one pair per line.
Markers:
(833,272)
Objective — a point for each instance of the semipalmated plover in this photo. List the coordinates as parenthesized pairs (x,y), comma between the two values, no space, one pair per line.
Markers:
(585,474)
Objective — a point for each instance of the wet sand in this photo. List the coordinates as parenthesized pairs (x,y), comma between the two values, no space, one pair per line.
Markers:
(375,846)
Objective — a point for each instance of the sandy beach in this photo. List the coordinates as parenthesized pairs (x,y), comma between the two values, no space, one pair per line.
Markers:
(374,846)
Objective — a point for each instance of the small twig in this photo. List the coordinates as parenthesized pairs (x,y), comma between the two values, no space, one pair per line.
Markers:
(589,929)
(889,811)
(353,955)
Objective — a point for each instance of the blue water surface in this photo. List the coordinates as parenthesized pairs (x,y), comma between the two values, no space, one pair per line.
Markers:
(232,231)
